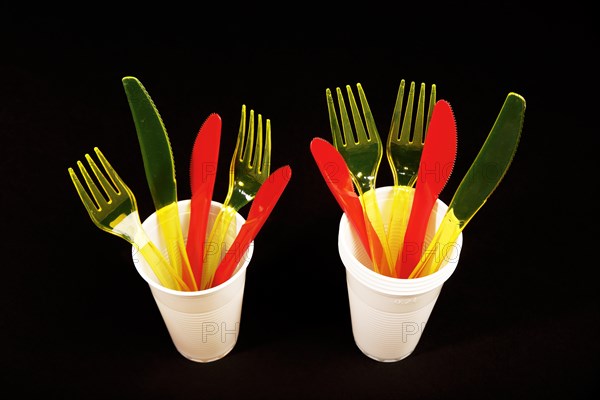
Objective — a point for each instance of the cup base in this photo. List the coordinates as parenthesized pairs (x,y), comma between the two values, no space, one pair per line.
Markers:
(205,360)
(383,360)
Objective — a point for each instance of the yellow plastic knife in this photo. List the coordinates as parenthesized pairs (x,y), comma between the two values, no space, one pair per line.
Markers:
(160,174)
(482,178)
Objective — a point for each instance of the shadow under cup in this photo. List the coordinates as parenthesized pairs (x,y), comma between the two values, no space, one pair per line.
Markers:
(389,314)
(204,325)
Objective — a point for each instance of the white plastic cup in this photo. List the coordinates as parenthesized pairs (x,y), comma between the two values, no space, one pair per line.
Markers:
(204,325)
(389,314)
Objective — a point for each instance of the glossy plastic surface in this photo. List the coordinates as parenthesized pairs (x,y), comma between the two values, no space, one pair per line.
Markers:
(250,167)
(482,178)
(403,150)
(262,205)
(203,171)
(160,172)
(362,150)
(435,168)
(114,210)
(338,180)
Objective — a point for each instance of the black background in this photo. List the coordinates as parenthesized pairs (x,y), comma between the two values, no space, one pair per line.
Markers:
(519,316)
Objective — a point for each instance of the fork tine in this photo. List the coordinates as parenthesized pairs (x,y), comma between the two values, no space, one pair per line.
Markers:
(432,99)
(349,139)
(418,131)
(266,161)
(361,135)
(397,114)
(109,189)
(241,139)
(98,197)
(85,198)
(249,146)
(407,121)
(338,141)
(371,127)
(117,183)
(258,148)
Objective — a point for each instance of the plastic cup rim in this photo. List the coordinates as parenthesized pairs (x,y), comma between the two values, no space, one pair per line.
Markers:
(197,293)
(387,284)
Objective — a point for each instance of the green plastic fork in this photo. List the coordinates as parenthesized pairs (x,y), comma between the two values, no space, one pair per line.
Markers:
(115,211)
(250,167)
(403,152)
(363,155)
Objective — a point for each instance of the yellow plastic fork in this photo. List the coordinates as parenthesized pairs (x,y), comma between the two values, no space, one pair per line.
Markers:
(363,155)
(115,211)
(250,167)
(403,151)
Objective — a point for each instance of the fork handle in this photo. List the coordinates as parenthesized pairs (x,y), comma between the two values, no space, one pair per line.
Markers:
(131,229)
(399,216)
(215,247)
(161,268)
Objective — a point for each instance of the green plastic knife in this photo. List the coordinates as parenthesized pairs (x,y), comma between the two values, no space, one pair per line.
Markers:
(160,174)
(479,182)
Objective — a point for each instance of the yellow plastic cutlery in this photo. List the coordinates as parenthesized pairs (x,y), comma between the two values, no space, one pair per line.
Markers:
(482,178)
(363,155)
(160,174)
(114,210)
(403,149)
(250,167)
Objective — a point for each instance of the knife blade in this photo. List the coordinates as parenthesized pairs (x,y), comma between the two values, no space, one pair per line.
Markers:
(435,168)
(203,171)
(159,167)
(337,176)
(482,178)
(267,196)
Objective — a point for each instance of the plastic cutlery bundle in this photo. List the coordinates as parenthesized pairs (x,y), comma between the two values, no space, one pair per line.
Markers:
(187,266)
(437,153)
(396,247)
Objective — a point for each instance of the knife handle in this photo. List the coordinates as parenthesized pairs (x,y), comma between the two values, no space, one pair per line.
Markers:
(224,223)
(442,244)
(235,252)
(412,248)
(372,213)
(170,227)
(199,209)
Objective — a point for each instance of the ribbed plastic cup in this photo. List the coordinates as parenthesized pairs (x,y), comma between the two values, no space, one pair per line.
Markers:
(204,325)
(389,314)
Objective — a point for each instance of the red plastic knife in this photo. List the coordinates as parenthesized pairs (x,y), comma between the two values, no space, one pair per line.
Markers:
(203,170)
(335,171)
(435,168)
(267,196)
